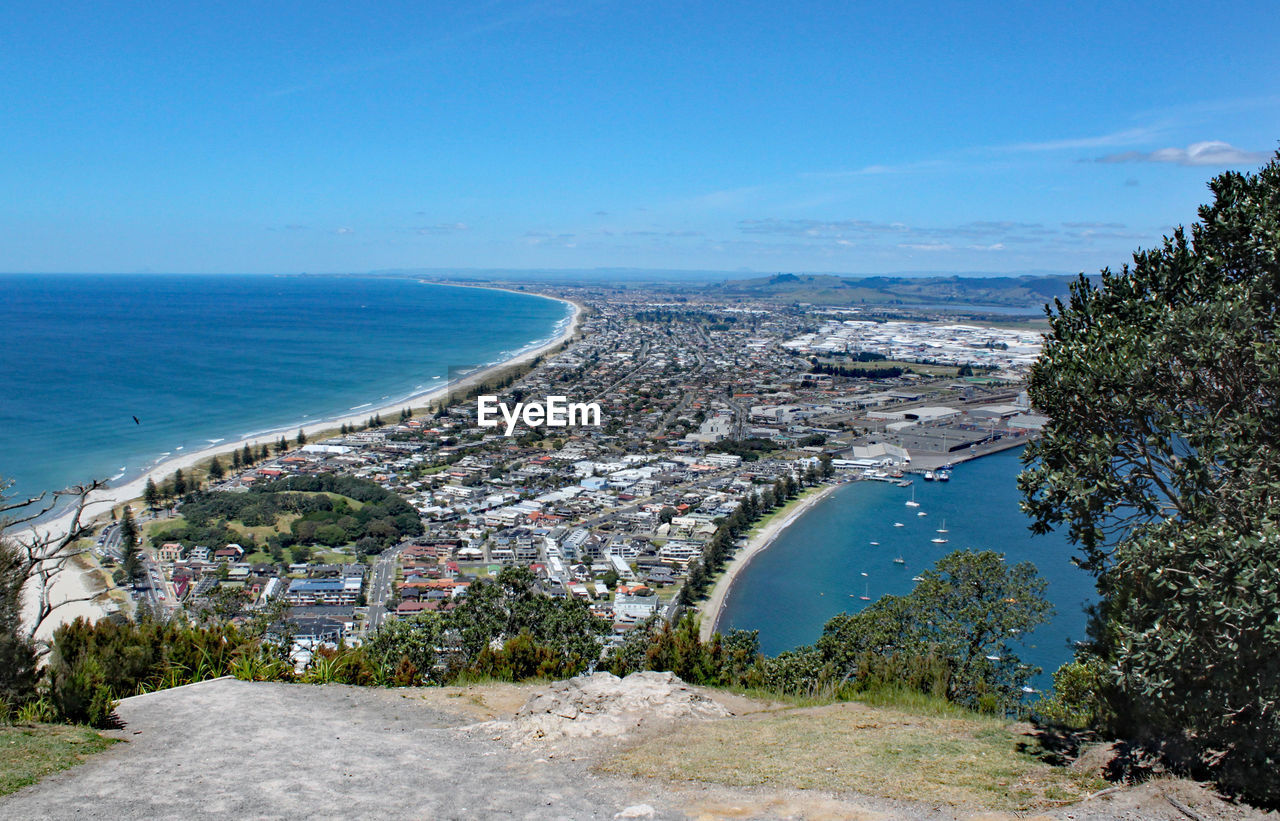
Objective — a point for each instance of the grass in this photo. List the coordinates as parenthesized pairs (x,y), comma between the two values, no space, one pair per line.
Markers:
(907,747)
(785,510)
(28,753)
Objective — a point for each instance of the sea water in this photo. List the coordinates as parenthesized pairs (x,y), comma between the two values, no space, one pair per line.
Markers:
(200,359)
(815,568)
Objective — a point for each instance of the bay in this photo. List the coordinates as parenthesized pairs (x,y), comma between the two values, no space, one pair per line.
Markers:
(813,570)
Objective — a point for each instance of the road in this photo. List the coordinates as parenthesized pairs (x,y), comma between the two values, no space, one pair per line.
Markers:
(381,578)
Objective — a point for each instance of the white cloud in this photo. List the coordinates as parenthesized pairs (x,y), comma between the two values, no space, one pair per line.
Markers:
(1129,136)
(1210,152)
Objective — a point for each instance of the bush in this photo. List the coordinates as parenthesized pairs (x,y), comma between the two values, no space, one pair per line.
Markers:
(81,694)
(1080,697)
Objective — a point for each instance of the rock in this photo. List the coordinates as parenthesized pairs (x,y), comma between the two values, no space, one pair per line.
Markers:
(637,811)
(603,705)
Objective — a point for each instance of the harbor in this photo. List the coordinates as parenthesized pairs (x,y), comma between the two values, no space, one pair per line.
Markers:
(814,569)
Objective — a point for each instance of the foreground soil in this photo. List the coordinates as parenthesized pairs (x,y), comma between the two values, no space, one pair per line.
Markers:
(231,749)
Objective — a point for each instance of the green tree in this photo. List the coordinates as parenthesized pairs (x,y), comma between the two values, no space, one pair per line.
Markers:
(1162,460)
(965,610)
(179,484)
(151,494)
(216,471)
(129,544)
(18,660)
(302,437)
(511,604)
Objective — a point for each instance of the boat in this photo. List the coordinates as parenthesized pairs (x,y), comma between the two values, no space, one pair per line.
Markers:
(899,560)
(912,501)
(943,474)
(943,529)
(898,524)
(938,540)
(877,544)
(922,513)
(928,476)
(917,578)
(866,596)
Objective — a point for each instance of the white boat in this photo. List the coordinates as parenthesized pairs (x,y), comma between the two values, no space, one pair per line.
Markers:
(938,540)
(943,475)
(898,524)
(917,578)
(912,501)
(943,529)
(928,476)
(922,513)
(899,560)
(877,544)
(866,596)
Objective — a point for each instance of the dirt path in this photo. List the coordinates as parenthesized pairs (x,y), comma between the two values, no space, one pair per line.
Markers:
(231,749)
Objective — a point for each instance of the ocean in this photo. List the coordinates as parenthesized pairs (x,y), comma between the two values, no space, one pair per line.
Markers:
(814,569)
(201,359)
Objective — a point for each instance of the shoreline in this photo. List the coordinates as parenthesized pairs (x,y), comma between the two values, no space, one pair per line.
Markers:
(713,608)
(102,501)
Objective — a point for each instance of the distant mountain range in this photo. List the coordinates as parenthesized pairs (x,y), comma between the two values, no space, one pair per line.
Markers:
(826,289)
(968,290)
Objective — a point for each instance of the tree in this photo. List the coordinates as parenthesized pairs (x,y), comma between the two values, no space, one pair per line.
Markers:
(216,471)
(18,656)
(247,456)
(237,461)
(302,437)
(1162,459)
(179,484)
(964,612)
(32,557)
(129,544)
(151,494)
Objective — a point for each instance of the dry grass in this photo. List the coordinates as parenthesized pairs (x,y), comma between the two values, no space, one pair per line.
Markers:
(962,760)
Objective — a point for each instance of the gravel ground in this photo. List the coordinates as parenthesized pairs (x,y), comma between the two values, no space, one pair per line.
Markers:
(231,749)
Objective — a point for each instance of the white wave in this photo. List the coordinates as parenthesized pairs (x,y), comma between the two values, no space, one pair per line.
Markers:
(215,441)
(358,407)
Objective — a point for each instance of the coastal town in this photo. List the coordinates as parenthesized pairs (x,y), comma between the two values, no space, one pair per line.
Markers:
(702,403)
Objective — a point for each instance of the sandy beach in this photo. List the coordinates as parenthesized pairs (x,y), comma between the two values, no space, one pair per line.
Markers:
(102,501)
(713,606)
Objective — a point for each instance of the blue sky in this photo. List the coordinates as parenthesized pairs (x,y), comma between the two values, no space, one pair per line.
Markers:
(850,137)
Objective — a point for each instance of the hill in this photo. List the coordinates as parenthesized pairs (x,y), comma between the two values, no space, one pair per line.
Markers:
(1029,292)
(646,747)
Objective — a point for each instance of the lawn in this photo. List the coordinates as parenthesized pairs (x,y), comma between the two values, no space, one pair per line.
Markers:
(28,753)
(943,756)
